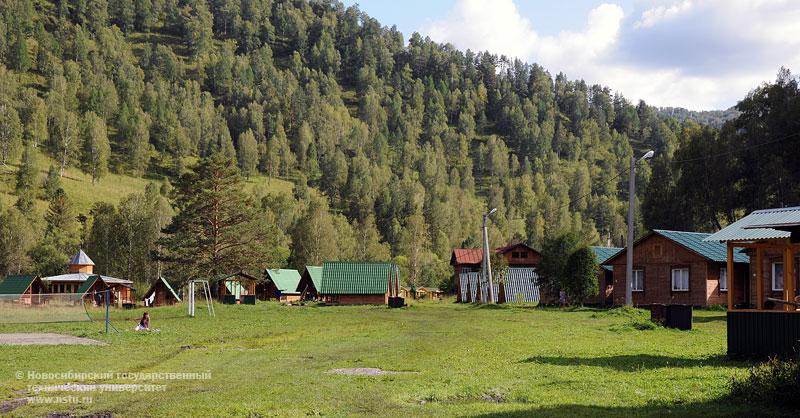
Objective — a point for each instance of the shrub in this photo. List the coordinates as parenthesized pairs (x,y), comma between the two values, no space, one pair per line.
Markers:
(773,382)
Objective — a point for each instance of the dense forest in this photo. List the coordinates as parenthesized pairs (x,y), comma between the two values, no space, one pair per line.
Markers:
(395,146)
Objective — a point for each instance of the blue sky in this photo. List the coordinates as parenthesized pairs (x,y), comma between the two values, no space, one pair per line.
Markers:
(698,54)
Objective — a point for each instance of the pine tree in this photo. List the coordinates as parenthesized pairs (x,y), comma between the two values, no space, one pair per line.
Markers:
(248,153)
(313,236)
(20,59)
(218,228)
(27,181)
(10,133)
(96,148)
(52,183)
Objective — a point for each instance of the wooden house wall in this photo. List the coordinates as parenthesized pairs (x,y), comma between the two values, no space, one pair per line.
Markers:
(657,256)
(769,257)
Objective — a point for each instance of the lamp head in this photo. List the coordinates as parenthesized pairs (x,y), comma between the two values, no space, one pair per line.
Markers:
(492,211)
(648,155)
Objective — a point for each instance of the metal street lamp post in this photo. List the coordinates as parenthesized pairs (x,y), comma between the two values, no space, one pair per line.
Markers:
(487,264)
(629,243)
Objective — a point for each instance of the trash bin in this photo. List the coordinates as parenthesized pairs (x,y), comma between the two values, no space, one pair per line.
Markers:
(658,313)
(679,316)
(396,302)
(248,299)
(229,300)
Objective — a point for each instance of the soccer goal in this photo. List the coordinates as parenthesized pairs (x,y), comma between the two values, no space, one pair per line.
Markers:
(43,307)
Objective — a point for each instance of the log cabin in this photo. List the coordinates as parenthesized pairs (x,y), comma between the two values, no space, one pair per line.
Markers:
(310,282)
(359,283)
(26,287)
(81,268)
(605,276)
(161,293)
(676,267)
(284,283)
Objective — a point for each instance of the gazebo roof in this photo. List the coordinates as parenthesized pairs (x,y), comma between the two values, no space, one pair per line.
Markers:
(80,259)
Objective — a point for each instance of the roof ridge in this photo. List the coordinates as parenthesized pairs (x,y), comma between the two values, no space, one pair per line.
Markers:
(682,232)
(788,208)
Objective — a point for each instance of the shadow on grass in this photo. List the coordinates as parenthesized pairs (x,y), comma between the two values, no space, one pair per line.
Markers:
(716,408)
(630,362)
(704,319)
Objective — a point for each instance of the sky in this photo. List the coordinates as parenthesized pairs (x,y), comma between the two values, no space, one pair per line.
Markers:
(696,54)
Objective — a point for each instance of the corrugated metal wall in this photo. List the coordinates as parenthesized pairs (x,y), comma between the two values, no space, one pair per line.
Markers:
(520,283)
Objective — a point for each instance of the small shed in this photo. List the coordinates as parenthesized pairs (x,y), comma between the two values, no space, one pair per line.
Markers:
(359,283)
(26,286)
(238,288)
(429,293)
(284,284)
(161,293)
(93,291)
(310,282)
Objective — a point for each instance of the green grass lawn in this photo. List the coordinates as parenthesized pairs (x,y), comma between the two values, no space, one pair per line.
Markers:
(273,360)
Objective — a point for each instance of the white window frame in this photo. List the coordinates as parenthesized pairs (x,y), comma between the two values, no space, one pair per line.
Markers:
(775,288)
(637,273)
(680,270)
(723,278)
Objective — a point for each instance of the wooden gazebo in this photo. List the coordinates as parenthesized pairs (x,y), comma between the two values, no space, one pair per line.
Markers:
(763,316)
(237,288)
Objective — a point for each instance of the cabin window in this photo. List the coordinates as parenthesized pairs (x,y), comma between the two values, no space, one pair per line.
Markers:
(514,254)
(777,277)
(723,280)
(637,284)
(523,254)
(658,251)
(680,280)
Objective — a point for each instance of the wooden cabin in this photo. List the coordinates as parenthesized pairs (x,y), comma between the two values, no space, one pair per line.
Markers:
(29,288)
(80,268)
(469,260)
(359,283)
(605,276)
(428,293)
(93,291)
(283,283)
(161,293)
(676,267)
(310,282)
(763,316)
(239,288)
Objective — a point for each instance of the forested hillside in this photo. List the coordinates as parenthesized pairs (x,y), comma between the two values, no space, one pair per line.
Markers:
(395,146)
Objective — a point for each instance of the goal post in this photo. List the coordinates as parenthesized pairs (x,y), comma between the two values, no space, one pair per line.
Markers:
(44,307)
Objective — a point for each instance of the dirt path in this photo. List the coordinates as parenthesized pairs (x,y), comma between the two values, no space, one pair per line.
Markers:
(45,338)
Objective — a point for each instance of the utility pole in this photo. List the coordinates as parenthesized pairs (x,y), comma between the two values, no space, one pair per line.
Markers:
(487,264)
(629,243)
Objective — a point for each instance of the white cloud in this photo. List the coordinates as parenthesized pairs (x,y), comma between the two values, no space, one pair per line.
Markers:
(658,14)
(695,54)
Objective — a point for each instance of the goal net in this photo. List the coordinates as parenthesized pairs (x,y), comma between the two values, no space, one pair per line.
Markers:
(49,307)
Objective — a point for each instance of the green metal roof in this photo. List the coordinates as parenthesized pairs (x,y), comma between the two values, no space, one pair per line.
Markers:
(760,225)
(356,278)
(16,284)
(315,272)
(696,241)
(604,253)
(88,284)
(166,283)
(286,280)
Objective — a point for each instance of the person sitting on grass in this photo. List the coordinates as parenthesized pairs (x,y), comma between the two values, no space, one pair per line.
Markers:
(144,323)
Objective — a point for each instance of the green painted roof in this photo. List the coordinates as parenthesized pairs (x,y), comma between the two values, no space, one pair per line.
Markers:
(17,284)
(604,253)
(88,284)
(695,241)
(315,272)
(356,278)
(760,225)
(286,280)
(166,283)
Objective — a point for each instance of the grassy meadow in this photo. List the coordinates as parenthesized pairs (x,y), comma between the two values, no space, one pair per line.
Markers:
(112,188)
(456,360)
